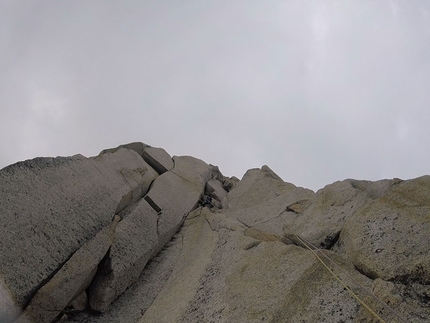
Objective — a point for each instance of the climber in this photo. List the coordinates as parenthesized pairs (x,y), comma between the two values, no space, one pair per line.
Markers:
(208,202)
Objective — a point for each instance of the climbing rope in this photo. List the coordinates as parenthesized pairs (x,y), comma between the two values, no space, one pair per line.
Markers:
(309,246)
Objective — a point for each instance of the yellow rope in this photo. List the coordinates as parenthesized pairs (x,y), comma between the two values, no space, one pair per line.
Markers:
(359,285)
(307,244)
(340,281)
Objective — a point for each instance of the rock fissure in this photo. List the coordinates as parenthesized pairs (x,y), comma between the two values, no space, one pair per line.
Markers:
(150,185)
(46,281)
(157,228)
(37,288)
(98,169)
(243,223)
(126,178)
(366,273)
(210,225)
(72,279)
(153,204)
(185,179)
(157,259)
(330,240)
(296,207)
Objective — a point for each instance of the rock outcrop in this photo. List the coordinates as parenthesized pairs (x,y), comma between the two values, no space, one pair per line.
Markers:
(134,235)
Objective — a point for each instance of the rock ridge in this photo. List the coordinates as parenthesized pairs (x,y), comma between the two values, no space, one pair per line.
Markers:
(136,235)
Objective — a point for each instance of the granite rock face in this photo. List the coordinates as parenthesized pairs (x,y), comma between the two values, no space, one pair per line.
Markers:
(71,280)
(51,207)
(142,237)
(146,228)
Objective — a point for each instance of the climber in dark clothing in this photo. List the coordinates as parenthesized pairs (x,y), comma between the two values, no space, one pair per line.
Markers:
(208,201)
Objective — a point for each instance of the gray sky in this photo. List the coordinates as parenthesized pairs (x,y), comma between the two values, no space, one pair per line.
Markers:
(318,90)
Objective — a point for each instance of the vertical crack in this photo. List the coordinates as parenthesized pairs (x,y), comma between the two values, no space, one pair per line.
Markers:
(153,204)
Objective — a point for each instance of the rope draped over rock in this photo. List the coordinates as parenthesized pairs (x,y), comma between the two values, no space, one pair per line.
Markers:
(315,252)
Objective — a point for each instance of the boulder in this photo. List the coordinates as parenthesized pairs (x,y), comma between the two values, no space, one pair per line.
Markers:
(261,198)
(139,179)
(193,170)
(158,158)
(177,192)
(135,243)
(257,186)
(215,189)
(138,147)
(389,239)
(71,280)
(331,207)
(230,182)
(51,207)
(132,304)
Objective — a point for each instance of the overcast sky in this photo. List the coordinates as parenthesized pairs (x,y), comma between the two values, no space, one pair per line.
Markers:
(318,90)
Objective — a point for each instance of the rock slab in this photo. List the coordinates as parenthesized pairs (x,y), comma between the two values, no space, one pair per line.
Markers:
(51,207)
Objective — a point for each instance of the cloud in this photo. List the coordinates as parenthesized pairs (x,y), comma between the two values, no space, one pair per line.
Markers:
(318,90)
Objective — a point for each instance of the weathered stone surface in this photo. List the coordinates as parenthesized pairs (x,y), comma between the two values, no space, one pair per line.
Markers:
(71,280)
(80,303)
(247,262)
(8,309)
(261,198)
(50,207)
(332,205)
(389,239)
(148,227)
(192,170)
(175,193)
(215,189)
(198,244)
(158,158)
(223,275)
(230,182)
(253,276)
(407,303)
(139,179)
(135,243)
(257,186)
(138,147)
(132,304)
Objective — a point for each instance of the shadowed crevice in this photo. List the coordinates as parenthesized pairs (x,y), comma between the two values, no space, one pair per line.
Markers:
(330,241)
(153,204)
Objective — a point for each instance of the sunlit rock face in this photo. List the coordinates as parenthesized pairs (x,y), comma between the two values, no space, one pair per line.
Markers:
(135,235)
